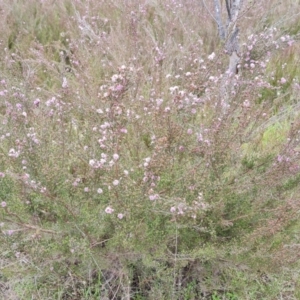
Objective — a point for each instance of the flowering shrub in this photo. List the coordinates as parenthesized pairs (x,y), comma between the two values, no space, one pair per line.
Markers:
(131,164)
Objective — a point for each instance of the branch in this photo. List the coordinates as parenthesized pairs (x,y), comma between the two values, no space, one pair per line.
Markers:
(235,9)
(219,19)
(228,7)
(209,11)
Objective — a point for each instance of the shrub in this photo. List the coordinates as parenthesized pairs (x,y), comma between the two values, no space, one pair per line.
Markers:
(125,174)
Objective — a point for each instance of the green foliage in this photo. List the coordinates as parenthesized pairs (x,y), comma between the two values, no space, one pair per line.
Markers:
(228,296)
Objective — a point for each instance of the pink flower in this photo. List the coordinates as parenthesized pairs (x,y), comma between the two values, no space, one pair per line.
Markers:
(115,156)
(76,182)
(13,153)
(246,103)
(19,106)
(116,182)
(120,216)
(3,204)
(279,158)
(2,175)
(64,83)
(282,80)
(123,130)
(211,56)
(109,210)
(9,232)
(36,102)
(173,209)
(159,102)
(99,191)
(153,197)
(118,88)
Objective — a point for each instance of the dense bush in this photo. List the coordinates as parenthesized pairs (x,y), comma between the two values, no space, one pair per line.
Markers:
(124,174)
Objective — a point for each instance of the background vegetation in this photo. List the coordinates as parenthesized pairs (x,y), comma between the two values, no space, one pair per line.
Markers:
(122,173)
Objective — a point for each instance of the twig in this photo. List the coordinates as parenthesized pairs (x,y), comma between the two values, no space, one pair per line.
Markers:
(209,11)
(30,227)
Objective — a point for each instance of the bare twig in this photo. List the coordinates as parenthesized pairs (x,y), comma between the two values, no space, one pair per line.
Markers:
(209,11)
